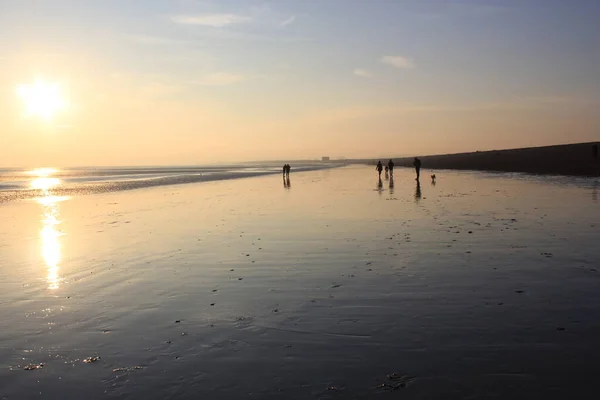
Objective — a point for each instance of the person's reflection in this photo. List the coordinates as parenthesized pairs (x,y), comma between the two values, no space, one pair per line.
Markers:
(392,184)
(286,182)
(387,175)
(595,192)
(418,191)
(379,185)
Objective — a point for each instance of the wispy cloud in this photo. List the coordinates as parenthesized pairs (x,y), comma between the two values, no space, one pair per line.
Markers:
(398,61)
(212,20)
(288,21)
(219,79)
(363,73)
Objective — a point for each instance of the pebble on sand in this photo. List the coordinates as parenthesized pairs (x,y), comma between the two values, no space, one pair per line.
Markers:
(32,367)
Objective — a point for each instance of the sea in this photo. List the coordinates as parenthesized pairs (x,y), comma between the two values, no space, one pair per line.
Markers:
(22,183)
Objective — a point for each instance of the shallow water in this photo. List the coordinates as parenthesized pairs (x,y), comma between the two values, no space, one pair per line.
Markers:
(482,286)
(22,184)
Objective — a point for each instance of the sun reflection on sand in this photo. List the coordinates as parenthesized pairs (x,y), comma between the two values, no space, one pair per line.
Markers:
(50,234)
(51,244)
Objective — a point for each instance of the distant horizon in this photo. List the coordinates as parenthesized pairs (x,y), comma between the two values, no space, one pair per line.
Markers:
(332,159)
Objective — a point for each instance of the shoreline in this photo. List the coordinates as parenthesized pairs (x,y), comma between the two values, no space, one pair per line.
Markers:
(570,159)
(116,184)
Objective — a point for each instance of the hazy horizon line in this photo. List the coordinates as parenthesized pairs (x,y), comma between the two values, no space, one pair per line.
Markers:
(239,163)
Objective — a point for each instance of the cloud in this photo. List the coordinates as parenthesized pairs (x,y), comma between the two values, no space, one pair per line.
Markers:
(398,62)
(219,79)
(212,20)
(363,73)
(288,21)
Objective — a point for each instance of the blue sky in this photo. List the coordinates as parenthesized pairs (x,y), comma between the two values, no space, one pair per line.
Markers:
(426,76)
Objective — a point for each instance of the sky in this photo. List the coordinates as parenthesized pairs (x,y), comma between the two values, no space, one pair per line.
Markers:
(183,82)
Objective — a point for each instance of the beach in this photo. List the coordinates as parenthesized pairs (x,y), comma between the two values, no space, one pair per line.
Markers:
(334,286)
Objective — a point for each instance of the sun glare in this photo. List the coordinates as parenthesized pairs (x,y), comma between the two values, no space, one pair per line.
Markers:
(44,183)
(42,99)
(42,172)
(50,236)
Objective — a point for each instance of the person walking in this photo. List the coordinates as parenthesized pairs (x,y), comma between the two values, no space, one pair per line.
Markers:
(379,168)
(417,164)
(390,166)
(595,154)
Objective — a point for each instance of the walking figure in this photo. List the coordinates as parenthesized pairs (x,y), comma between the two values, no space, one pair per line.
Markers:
(595,154)
(390,166)
(417,164)
(379,168)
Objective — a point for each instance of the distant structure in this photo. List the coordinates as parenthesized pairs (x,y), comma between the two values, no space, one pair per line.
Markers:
(324,158)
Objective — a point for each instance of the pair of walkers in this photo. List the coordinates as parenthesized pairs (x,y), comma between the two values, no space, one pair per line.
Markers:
(390,167)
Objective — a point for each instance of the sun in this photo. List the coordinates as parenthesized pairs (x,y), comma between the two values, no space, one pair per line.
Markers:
(42,99)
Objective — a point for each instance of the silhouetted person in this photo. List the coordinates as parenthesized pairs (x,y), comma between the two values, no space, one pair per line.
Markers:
(417,164)
(418,191)
(433,180)
(387,176)
(595,154)
(289,168)
(284,169)
(379,168)
(390,165)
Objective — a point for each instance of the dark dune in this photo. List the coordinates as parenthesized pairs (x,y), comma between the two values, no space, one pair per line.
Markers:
(571,159)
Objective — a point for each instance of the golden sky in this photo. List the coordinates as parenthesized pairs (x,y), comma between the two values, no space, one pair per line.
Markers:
(186,82)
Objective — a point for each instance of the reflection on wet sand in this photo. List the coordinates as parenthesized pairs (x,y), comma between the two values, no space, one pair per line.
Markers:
(418,191)
(49,234)
(392,184)
(286,182)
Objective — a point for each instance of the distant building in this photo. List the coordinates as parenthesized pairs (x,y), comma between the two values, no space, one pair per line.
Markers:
(324,158)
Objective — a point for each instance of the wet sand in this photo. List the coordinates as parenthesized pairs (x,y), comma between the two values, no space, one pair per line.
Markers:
(482,286)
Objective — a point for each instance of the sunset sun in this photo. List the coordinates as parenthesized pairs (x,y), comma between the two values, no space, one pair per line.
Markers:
(42,99)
